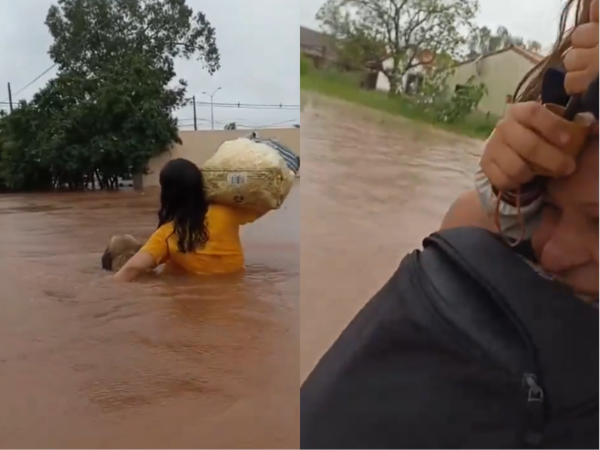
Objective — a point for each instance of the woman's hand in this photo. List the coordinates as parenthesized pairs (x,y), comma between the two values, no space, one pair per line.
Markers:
(581,60)
(529,136)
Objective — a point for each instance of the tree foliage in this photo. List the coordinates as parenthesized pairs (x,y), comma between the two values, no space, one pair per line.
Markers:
(447,106)
(400,29)
(357,48)
(110,107)
(484,41)
(76,129)
(88,34)
(461,103)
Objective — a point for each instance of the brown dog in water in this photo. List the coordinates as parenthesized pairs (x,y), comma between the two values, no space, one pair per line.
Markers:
(119,250)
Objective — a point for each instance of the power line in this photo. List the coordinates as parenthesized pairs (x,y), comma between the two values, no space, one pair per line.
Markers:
(277,124)
(219,105)
(34,80)
(240,123)
(226,105)
(81,42)
(247,105)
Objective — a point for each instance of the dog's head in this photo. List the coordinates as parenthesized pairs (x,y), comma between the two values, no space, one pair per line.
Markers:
(119,250)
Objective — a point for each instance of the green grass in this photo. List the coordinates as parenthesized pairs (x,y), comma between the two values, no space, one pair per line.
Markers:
(345,87)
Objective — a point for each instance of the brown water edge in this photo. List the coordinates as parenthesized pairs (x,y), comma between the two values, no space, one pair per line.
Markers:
(164,363)
(374,185)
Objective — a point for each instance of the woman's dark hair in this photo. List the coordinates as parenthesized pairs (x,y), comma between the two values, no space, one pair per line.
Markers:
(183,201)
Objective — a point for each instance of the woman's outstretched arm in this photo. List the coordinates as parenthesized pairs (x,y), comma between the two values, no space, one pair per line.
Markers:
(140,263)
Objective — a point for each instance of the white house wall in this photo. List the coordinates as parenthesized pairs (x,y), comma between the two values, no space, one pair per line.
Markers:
(383,84)
(500,73)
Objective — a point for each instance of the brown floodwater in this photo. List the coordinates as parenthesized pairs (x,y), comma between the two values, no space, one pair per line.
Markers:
(373,187)
(162,363)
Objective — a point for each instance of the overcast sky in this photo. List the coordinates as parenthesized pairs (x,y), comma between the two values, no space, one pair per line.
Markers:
(530,19)
(258,41)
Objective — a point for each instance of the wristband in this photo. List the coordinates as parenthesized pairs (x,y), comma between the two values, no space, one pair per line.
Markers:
(525,196)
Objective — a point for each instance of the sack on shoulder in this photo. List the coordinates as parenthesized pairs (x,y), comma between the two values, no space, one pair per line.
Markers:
(251,172)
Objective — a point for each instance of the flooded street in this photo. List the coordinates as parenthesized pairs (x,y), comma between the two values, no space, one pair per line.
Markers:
(163,363)
(177,363)
(373,187)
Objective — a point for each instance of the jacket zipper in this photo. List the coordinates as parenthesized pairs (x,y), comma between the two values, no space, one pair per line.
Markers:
(535,417)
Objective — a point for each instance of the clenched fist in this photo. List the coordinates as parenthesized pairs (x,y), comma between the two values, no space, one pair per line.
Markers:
(581,60)
(529,137)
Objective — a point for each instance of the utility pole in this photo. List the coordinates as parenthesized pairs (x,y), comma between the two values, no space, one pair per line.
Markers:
(212,111)
(10,105)
(195,120)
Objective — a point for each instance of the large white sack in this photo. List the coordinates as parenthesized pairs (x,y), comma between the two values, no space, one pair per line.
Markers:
(250,172)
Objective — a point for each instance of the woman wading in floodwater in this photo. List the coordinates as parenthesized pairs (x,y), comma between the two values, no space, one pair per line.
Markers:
(467,346)
(193,236)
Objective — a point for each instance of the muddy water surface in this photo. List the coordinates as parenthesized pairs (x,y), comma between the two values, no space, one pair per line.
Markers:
(373,187)
(164,363)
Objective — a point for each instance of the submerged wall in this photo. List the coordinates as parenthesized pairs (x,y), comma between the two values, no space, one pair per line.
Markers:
(198,146)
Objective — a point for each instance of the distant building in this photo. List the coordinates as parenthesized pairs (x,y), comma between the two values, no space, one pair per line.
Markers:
(317,46)
(411,80)
(500,71)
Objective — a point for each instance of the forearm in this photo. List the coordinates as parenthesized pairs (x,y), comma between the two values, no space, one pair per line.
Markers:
(141,262)
(126,274)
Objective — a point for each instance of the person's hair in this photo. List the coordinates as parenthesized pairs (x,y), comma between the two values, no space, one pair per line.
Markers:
(183,201)
(529,89)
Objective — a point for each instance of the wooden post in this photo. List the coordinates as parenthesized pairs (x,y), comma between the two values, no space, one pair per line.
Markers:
(10,103)
(195,120)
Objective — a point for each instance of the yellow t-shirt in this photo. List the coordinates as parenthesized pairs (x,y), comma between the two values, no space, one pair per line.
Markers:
(222,253)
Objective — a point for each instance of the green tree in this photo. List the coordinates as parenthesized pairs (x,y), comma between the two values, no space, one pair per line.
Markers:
(404,28)
(463,102)
(78,130)
(434,89)
(21,141)
(483,41)
(230,126)
(110,107)
(360,51)
(356,48)
(534,46)
(88,34)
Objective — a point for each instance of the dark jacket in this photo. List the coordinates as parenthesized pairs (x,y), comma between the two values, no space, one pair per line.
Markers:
(465,347)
